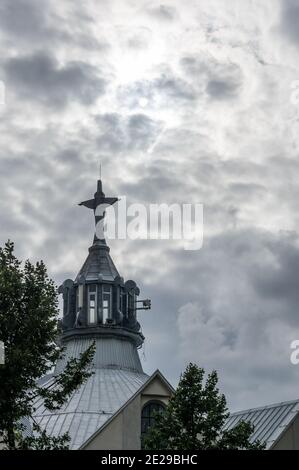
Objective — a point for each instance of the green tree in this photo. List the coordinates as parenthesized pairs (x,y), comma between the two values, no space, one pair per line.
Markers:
(29,330)
(195,416)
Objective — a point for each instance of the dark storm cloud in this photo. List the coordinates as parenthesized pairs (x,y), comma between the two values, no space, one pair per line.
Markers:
(119,133)
(32,23)
(110,131)
(175,87)
(39,208)
(141,130)
(227,314)
(290,19)
(28,20)
(280,282)
(220,89)
(221,80)
(154,189)
(41,78)
(247,189)
(225,318)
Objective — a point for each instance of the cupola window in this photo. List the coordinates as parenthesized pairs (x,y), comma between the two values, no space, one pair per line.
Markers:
(80,296)
(92,291)
(123,306)
(107,302)
(131,303)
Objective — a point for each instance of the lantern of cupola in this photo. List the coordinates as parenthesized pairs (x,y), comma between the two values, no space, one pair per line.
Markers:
(99,299)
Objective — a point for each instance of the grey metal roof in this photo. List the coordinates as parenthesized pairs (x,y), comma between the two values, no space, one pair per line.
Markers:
(269,421)
(98,262)
(111,352)
(87,410)
(27,427)
(117,376)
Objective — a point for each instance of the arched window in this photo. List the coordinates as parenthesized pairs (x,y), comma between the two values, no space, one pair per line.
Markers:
(149,411)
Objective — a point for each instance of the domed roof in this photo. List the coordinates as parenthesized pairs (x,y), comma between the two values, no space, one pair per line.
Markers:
(98,264)
(116,376)
(90,406)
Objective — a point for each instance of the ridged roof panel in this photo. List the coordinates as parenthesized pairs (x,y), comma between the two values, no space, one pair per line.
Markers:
(110,352)
(97,400)
(269,421)
(98,262)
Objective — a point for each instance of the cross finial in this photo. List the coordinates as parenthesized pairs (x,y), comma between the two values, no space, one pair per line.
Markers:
(98,200)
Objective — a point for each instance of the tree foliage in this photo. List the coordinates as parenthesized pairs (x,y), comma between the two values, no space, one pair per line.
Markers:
(29,330)
(195,416)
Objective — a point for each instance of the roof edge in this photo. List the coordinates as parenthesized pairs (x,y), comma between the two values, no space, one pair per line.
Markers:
(248,410)
(285,428)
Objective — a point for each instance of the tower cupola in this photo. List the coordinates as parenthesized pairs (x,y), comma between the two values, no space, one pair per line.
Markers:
(99,301)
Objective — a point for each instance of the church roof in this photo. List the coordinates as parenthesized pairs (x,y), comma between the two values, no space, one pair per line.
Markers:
(98,262)
(110,352)
(269,421)
(117,376)
(158,374)
(117,373)
(94,403)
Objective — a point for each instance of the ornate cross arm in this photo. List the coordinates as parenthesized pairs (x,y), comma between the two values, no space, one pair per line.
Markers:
(94,203)
(99,200)
(89,204)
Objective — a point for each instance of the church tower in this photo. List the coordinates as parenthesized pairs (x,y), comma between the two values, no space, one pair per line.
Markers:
(99,306)
(117,402)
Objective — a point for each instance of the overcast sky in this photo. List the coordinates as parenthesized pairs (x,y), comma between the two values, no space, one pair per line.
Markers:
(181,102)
